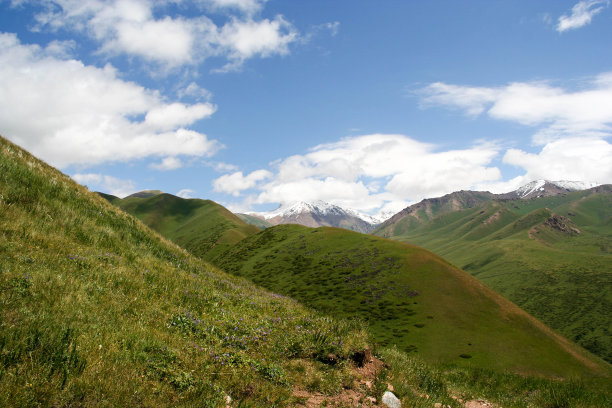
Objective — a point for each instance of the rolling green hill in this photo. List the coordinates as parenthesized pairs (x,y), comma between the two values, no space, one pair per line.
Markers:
(202,227)
(409,297)
(551,255)
(97,310)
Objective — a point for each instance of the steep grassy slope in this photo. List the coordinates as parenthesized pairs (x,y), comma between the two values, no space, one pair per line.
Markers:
(203,227)
(408,296)
(552,256)
(98,310)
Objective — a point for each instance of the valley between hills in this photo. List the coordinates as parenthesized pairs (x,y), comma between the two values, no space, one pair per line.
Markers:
(154,300)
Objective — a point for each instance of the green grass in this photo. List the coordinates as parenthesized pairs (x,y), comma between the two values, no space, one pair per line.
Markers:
(420,384)
(203,227)
(410,298)
(563,279)
(98,310)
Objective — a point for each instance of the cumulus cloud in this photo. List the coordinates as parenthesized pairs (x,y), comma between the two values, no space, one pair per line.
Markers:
(168,163)
(247,6)
(585,159)
(236,182)
(69,113)
(111,185)
(581,15)
(245,39)
(141,28)
(559,112)
(384,173)
(369,173)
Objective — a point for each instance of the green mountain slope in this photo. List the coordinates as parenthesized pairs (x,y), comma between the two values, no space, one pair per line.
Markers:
(98,310)
(428,209)
(552,256)
(202,227)
(408,296)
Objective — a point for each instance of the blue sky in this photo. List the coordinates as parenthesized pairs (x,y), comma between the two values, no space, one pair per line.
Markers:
(371,105)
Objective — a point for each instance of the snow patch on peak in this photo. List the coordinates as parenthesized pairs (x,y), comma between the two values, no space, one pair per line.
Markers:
(529,188)
(539,185)
(574,185)
(320,208)
(300,207)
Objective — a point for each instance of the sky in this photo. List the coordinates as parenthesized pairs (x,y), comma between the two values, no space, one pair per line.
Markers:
(371,105)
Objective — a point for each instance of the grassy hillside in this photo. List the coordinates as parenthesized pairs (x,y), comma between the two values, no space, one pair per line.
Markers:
(98,310)
(202,227)
(428,209)
(552,256)
(408,296)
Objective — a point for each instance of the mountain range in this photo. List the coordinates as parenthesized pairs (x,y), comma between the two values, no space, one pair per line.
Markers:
(320,213)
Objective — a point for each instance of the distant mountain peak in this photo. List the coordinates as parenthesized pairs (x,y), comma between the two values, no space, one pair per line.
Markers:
(541,188)
(318,213)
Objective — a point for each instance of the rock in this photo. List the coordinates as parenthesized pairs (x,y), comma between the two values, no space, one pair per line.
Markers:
(390,400)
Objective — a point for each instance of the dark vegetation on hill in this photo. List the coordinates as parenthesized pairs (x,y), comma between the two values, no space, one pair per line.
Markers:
(97,310)
(410,298)
(202,227)
(551,255)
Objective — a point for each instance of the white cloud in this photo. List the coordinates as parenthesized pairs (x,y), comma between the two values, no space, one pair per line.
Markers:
(71,114)
(473,100)
(168,163)
(61,49)
(582,14)
(236,182)
(106,184)
(185,193)
(141,28)
(369,173)
(245,39)
(558,111)
(247,6)
(583,159)
(194,90)
(170,116)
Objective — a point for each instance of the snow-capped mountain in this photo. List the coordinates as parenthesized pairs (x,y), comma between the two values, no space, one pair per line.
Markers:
(544,188)
(319,213)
